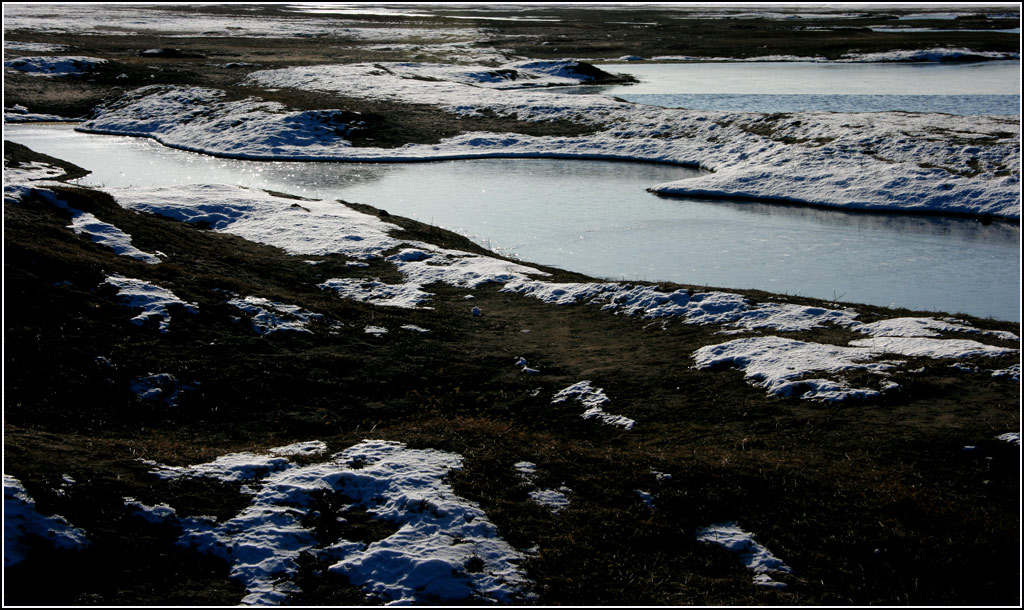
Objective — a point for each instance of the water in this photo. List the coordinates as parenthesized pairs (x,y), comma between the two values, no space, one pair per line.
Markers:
(956,88)
(595,217)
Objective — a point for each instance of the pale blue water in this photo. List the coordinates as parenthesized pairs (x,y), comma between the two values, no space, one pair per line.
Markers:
(737,102)
(954,88)
(596,218)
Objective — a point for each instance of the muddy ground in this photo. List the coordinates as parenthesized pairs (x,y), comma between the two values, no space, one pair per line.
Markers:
(870,502)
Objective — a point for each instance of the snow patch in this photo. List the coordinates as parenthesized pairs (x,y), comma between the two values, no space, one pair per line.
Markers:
(161,387)
(553,499)
(930,348)
(926,327)
(1010,437)
(318,228)
(407,296)
(781,365)
(594,399)
(753,555)
(53,65)
(1013,372)
(22,521)
(152,299)
(444,548)
(269,316)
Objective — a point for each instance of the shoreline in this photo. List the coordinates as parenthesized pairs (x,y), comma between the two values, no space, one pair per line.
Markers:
(696,194)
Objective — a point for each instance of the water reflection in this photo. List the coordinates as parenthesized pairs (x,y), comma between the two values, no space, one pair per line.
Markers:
(960,229)
(595,217)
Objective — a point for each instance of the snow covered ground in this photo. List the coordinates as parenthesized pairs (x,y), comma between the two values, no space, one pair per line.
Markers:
(877,161)
(443,548)
(53,66)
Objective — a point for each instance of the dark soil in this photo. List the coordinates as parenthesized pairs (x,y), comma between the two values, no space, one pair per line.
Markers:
(870,502)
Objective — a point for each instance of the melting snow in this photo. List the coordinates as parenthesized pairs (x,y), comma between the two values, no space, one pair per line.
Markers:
(22,521)
(781,365)
(925,327)
(315,228)
(53,65)
(408,296)
(1010,437)
(752,554)
(270,317)
(931,348)
(444,548)
(553,499)
(594,399)
(162,387)
(153,300)
(100,232)
(650,302)
(1013,372)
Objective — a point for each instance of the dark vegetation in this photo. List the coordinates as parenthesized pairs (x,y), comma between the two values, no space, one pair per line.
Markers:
(870,502)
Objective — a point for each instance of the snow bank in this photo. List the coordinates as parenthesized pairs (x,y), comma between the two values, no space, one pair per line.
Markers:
(100,232)
(201,120)
(25,173)
(1013,372)
(781,366)
(937,54)
(752,554)
(732,310)
(22,521)
(595,400)
(305,228)
(152,299)
(20,114)
(427,264)
(930,348)
(444,548)
(107,235)
(925,327)
(110,19)
(53,65)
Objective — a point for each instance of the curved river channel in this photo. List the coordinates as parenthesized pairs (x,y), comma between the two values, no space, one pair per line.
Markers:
(595,217)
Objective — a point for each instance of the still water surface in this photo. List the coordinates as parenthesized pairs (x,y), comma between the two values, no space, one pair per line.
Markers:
(595,217)
(981,88)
